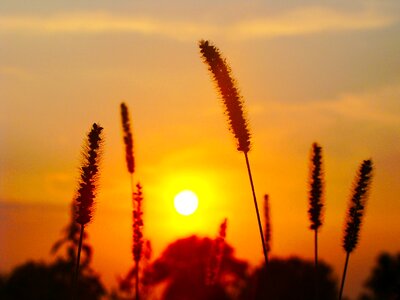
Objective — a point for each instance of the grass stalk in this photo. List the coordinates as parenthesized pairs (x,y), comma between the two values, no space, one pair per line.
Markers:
(78,260)
(264,246)
(316,193)
(344,275)
(216,256)
(355,213)
(137,249)
(234,109)
(267,229)
(316,271)
(86,194)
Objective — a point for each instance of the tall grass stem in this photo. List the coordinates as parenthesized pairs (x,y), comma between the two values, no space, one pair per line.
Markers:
(257,210)
(316,273)
(344,275)
(78,259)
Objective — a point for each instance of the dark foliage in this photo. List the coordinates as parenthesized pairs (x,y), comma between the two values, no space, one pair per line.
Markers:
(38,281)
(182,271)
(384,281)
(291,279)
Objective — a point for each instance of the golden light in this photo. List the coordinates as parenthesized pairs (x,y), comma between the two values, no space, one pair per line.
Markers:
(186,202)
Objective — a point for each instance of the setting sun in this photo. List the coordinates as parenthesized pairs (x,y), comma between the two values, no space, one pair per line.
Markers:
(186,202)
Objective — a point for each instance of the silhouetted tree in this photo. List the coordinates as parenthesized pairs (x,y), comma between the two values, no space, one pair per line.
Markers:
(290,279)
(182,271)
(384,281)
(39,281)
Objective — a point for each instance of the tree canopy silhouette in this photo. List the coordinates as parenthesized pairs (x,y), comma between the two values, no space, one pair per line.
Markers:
(181,271)
(384,281)
(42,281)
(291,279)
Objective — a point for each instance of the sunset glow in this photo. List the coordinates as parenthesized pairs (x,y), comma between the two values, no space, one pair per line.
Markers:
(325,72)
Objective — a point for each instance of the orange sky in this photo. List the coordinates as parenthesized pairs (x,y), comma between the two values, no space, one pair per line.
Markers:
(308,72)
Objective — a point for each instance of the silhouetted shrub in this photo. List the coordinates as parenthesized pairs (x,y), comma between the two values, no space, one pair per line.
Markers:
(290,279)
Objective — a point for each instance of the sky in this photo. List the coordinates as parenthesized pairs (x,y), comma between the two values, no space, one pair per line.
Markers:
(308,71)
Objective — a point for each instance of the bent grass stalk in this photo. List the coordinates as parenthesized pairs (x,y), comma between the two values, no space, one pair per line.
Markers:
(233,102)
(316,184)
(355,213)
(87,189)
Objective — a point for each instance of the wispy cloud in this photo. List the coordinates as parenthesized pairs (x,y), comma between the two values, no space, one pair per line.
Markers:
(377,105)
(312,20)
(380,105)
(92,23)
(292,23)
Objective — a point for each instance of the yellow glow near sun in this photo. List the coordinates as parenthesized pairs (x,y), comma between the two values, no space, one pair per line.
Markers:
(186,202)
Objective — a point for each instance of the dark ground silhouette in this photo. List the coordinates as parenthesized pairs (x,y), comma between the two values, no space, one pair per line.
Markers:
(181,271)
(53,281)
(40,281)
(290,279)
(384,281)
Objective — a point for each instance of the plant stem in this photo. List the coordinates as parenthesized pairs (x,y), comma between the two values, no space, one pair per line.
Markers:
(75,278)
(316,263)
(137,263)
(137,281)
(132,185)
(257,211)
(344,275)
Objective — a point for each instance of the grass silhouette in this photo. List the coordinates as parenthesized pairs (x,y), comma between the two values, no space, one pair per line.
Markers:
(87,188)
(137,196)
(316,191)
(137,247)
(267,224)
(216,255)
(226,85)
(355,213)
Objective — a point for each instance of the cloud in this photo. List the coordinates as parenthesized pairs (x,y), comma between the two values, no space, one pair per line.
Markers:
(14,72)
(377,106)
(92,23)
(292,23)
(312,20)
(380,105)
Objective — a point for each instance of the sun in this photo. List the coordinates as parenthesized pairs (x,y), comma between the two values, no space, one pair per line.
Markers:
(186,202)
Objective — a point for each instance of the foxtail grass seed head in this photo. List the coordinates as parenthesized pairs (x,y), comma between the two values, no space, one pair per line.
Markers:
(128,140)
(137,224)
(356,208)
(316,191)
(267,223)
(89,175)
(226,85)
